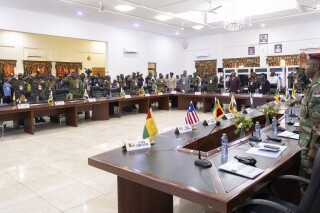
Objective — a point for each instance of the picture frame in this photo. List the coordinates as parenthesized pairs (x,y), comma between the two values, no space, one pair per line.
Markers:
(263,39)
(278,48)
(251,50)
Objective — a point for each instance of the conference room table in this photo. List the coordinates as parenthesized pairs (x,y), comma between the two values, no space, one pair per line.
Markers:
(102,108)
(148,179)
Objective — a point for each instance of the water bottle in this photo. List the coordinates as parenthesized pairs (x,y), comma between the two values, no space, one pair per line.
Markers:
(257,129)
(257,91)
(37,99)
(286,116)
(296,110)
(224,144)
(1,101)
(274,126)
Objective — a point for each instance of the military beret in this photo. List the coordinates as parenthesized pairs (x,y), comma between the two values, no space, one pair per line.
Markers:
(314,56)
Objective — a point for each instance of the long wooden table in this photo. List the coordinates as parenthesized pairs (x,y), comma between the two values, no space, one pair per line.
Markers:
(147,180)
(102,108)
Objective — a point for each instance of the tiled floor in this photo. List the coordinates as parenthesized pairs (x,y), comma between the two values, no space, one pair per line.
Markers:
(48,172)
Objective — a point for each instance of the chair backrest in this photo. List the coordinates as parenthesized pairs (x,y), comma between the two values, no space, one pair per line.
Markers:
(114,92)
(96,93)
(311,198)
(60,95)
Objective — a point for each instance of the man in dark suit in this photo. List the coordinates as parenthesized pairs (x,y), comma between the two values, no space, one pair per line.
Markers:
(264,85)
(234,83)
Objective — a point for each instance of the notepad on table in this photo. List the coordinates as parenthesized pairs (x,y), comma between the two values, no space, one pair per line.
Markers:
(241,169)
(263,151)
(287,134)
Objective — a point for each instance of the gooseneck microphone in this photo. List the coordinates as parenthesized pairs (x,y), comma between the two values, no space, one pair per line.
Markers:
(204,163)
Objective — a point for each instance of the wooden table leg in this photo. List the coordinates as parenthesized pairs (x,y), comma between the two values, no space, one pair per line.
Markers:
(100,111)
(144,105)
(137,198)
(29,123)
(71,116)
(164,103)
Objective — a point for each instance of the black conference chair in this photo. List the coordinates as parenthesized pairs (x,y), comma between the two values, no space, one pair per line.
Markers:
(310,202)
(96,93)
(60,95)
(114,92)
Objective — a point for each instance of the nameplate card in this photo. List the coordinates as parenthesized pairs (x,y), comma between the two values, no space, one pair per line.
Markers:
(127,96)
(184,128)
(160,93)
(258,95)
(249,110)
(23,106)
(147,95)
(197,93)
(210,121)
(137,145)
(226,94)
(92,100)
(58,103)
(173,92)
(229,116)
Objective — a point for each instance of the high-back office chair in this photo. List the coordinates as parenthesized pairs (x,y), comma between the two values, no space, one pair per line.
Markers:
(96,93)
(60,95)
(310,203)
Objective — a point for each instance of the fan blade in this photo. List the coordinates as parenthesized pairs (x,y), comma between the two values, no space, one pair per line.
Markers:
(212,10)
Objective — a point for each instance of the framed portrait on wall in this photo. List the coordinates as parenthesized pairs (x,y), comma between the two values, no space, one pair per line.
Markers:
(263,39)
(251,51)
(278,48)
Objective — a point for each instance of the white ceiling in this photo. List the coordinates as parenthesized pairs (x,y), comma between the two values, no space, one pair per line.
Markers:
(270,12)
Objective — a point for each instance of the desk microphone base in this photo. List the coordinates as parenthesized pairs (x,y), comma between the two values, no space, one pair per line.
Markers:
(204,163)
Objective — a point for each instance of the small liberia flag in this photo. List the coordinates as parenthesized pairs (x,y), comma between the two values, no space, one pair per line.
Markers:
(191,116)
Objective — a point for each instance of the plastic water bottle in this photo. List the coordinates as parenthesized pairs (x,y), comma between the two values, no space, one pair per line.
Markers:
(257,129)
(296,110)
(1,101)
(274,126)
(257,91)
(224,144)
(286,116)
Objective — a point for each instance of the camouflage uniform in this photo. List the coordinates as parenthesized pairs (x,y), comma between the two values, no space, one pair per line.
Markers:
(195,81)
(309,126)
(134,86)
(161,83)
(253,84)
(75,87)
(107,85)
(212,83)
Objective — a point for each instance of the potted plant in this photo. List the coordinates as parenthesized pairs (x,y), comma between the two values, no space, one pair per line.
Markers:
(242,124)
(270,111)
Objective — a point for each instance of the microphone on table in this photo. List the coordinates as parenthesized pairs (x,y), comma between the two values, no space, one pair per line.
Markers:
(204,163)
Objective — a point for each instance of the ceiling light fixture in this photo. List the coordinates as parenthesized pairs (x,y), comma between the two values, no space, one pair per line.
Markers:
(177,33)
(124,8)
(233,23)
(262,25)
(79,13)
(163,17)
(197,27)
(136,25)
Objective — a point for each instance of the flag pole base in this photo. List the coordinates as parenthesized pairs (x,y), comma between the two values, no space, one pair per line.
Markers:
(152,142)
(194,128)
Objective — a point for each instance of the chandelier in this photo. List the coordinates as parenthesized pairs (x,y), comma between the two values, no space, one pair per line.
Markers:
(233,24)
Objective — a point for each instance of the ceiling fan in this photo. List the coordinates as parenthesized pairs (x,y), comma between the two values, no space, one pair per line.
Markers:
(314,6)
(211,9)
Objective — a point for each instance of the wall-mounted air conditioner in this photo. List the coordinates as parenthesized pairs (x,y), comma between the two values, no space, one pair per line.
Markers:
(203,55)
(34,55)
(130,51)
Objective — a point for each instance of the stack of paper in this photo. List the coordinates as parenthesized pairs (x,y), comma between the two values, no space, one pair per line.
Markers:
(241,169)
(287,134)
(261,149)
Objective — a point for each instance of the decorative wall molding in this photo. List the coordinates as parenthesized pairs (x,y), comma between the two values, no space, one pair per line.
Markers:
(276,60)
(204,67)
(237,62)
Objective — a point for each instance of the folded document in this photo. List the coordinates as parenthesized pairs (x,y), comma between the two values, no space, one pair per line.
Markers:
(241,169)
(287,134)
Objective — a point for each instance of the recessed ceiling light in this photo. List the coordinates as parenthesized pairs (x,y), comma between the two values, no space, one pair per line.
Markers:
(124,8)
(136,25)
(262,25)
(177,33)
(79,13)
(197,27)
(163,17)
